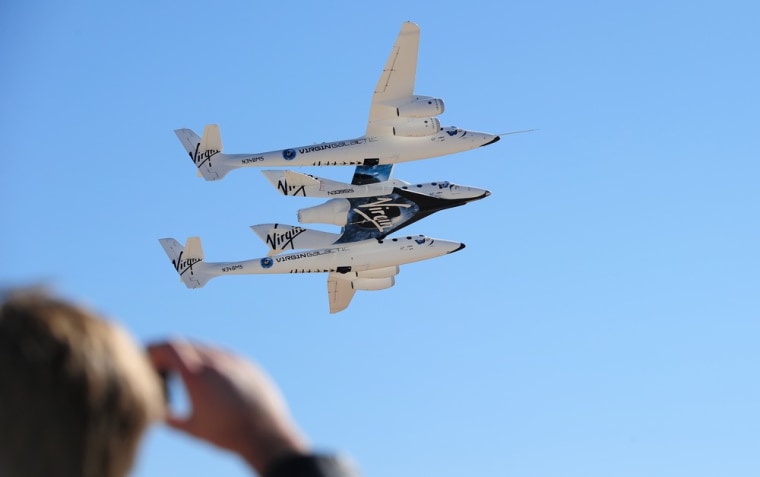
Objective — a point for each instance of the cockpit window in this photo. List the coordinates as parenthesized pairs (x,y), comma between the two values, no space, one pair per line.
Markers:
(420,240)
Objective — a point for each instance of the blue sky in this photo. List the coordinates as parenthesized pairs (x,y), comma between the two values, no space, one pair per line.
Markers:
(604,317)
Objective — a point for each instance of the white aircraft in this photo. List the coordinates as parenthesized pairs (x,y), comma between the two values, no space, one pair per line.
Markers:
(402,127)
(366,265)
(373,205)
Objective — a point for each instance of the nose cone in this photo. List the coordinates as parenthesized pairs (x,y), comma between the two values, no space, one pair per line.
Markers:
(460,247)
(494,138)
(436,248)
(445,246)
(459,192)
(477,194)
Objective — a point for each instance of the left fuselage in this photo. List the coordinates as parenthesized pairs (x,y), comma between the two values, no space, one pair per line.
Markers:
(359,151)
(366,255)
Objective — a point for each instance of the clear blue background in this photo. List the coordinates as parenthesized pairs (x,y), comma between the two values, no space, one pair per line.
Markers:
(603,319)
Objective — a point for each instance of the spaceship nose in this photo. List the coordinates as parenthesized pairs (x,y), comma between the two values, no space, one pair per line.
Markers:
(461,246)
(495,139)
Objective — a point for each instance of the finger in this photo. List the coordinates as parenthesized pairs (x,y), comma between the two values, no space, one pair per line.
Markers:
(175,355)
(211,355)
(179,423)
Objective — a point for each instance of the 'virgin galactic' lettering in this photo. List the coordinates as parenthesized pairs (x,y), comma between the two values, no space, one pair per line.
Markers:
(331,145)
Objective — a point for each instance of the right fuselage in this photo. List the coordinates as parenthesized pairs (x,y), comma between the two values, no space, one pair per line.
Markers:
(354,257)
(367,150)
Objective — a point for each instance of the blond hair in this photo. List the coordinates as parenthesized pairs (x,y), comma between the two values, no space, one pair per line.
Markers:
(76,393)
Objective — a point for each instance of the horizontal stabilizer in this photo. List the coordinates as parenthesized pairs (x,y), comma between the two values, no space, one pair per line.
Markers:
(280,238)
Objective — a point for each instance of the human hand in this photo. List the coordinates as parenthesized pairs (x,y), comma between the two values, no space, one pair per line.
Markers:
(235,405)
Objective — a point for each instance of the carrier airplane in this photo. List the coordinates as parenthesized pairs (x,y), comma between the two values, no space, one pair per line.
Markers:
(402,127)
(365,265)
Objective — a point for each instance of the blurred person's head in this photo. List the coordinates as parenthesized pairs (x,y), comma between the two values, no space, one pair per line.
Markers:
(76,392)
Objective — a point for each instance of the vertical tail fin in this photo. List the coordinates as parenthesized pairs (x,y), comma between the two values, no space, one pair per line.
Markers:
(294,183)
(212,138)
(187,261)
(280,237)
(203,149)
(189,139)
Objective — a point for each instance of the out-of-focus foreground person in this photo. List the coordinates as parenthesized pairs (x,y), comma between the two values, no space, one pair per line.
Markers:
(76,393)
(237,407)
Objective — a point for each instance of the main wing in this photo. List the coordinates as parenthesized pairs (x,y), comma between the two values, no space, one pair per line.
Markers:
(342,286)
(339,292)
(396,84)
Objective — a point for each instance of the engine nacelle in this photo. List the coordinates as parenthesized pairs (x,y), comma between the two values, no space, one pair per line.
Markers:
(421,107)
(334,211)
(373,283)
(417,127)
(378,272)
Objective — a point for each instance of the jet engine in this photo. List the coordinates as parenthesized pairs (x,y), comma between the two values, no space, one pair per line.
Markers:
(384,272)
(334,211)
(417,127)
(421,107)
(373,283)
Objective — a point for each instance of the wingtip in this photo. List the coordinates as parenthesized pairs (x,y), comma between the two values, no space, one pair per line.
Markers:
(410,26)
